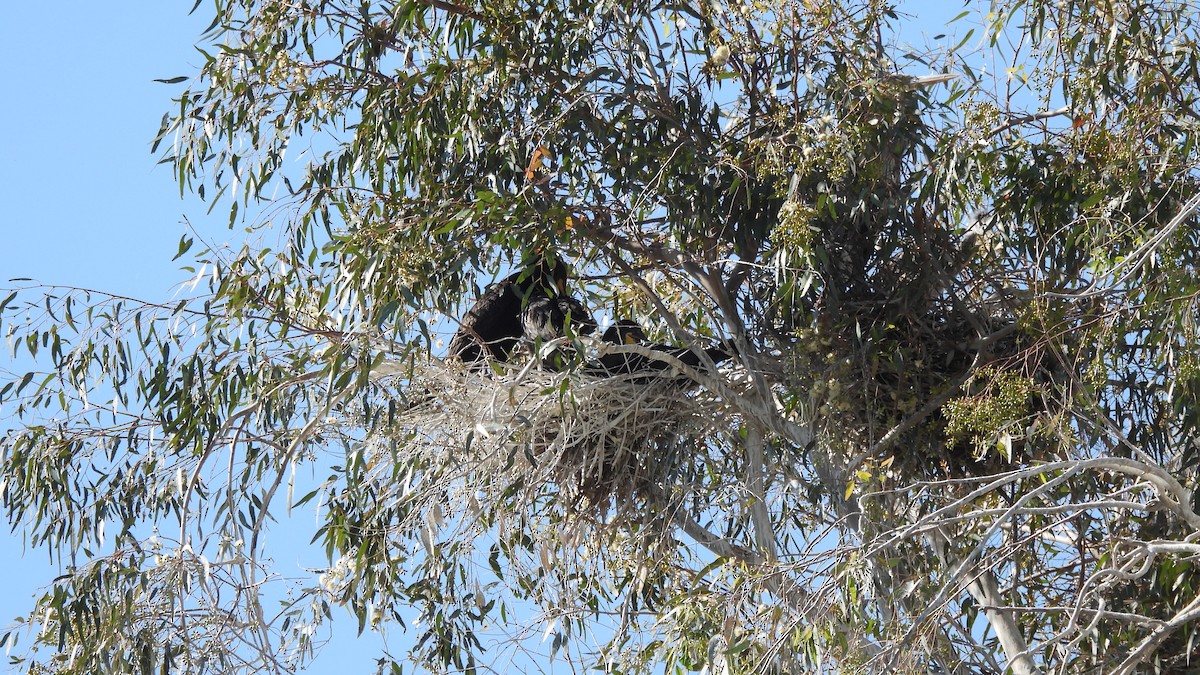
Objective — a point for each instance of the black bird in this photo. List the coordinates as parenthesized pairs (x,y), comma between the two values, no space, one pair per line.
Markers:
(626,332)
(545,318)
(494,325)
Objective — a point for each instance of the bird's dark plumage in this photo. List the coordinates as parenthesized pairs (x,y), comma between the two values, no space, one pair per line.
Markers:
(494,325)
(545,318)
(625,332)
(646,368)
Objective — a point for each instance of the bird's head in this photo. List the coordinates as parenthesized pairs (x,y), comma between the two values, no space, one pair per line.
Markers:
(548,271)
(624,332)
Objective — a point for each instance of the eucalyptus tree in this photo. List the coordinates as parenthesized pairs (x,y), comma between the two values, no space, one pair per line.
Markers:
(957,434)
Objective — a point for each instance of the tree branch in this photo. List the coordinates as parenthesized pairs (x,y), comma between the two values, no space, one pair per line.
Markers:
(984,589)
(1157,636)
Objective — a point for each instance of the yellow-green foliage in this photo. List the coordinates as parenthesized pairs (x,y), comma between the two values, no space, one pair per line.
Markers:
(1001,398)
(795,228)
(823,147)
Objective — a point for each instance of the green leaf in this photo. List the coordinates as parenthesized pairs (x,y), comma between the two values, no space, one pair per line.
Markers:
(185,243)
(4,303)
(1092,201)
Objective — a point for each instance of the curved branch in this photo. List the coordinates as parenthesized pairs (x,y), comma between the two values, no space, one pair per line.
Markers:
(1157,636)
(984,589)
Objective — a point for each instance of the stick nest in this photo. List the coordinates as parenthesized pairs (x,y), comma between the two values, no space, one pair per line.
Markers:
(590,440)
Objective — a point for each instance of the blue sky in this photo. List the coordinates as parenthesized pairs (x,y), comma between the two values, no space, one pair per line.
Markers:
(85,203)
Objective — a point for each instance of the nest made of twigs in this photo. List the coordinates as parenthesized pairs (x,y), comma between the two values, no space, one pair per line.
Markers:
(900,371)
(593,439)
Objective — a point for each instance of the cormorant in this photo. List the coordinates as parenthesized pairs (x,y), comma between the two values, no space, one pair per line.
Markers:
(545,318)
(495,324)
(626,332)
